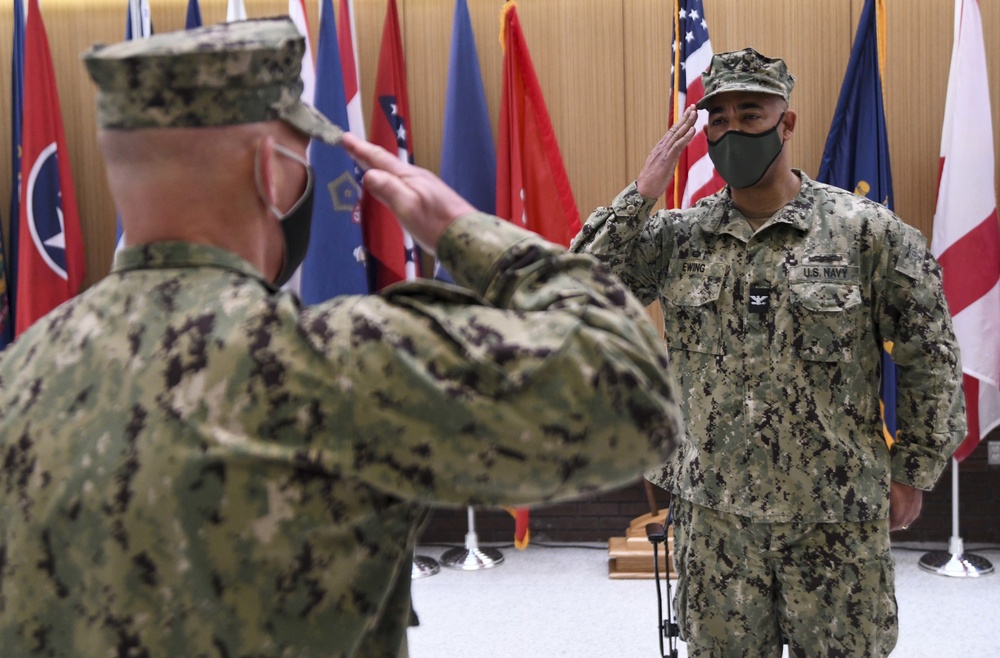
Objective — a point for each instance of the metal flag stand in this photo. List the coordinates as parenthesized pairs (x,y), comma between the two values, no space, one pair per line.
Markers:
(955,562)
(423,567)
(471,558)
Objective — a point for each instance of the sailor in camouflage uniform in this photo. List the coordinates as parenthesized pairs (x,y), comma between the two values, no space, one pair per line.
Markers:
(777,294)
(194,465)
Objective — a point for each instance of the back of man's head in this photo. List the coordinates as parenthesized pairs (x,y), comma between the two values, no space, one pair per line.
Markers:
(219,75)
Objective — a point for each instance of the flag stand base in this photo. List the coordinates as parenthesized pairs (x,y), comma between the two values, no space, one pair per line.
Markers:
(955,563)
(471,558)
(423,567)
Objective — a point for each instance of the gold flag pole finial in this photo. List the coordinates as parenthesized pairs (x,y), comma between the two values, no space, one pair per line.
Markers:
(507,6)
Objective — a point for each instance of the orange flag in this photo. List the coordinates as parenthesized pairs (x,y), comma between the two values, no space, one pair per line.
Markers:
(533,189)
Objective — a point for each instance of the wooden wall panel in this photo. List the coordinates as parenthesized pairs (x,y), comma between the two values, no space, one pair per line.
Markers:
(915,87)
(814,39)
(604,69)
(576,49)
(648,29)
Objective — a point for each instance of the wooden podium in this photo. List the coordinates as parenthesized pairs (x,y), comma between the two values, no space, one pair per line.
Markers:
(631,556)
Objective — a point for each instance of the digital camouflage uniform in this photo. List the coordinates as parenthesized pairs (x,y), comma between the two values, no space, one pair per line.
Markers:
(774,338)
(195,465)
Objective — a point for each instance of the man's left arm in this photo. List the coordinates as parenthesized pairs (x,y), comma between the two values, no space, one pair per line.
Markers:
(912,313)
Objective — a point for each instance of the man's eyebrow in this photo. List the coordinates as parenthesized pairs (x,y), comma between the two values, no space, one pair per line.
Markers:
(749,105)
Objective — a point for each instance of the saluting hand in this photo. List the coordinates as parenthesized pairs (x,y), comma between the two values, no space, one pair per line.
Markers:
(662,160)
(424,204)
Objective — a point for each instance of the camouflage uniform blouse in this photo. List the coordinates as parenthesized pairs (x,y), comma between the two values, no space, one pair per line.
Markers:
(194,465)
(774,339)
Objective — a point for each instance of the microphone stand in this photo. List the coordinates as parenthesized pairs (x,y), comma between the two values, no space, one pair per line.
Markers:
(656,535)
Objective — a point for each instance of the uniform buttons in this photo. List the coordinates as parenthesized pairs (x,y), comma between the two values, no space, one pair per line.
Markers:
(630,207)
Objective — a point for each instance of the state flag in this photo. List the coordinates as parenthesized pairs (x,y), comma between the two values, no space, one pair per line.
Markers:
(966,239)
(50,248)
(335,262)
(391,249)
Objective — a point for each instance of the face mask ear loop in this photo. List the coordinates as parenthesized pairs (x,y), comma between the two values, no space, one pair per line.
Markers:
(309,177)
(260,183)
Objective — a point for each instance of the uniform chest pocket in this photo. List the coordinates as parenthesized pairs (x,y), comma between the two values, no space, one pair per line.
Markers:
(691,314)
(824,320)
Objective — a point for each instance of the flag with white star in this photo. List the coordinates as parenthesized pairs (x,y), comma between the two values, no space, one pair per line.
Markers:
(691,53)
(50,247)
(393,253)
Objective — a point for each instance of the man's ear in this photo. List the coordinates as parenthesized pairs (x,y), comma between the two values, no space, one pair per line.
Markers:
(788,124)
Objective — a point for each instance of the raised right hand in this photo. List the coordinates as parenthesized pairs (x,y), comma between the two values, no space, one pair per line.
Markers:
(662,160)
(424,204)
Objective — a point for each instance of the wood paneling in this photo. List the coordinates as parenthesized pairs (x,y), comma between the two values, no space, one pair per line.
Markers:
(648,30)
(604,69)
(814,39)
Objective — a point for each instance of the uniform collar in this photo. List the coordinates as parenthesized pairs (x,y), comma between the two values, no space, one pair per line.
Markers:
(725,218)
(163,255)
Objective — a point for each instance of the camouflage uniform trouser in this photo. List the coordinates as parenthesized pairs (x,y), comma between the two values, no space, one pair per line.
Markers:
(744,588)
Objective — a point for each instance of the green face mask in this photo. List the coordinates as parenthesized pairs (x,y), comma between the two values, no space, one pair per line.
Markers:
(741,158)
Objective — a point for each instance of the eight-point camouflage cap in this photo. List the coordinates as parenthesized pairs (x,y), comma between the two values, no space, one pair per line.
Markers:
(218,75)
(746,70)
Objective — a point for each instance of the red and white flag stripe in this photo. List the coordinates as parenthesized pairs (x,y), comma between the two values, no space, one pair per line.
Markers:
(346,38)
(235,11)
(966,239)
(695,176)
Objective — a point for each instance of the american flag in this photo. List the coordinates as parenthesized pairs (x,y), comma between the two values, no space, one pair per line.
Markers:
(691,54)
(966,238)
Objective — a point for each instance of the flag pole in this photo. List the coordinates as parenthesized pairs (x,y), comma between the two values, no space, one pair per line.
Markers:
(676,86)
(955,562)
(471,558)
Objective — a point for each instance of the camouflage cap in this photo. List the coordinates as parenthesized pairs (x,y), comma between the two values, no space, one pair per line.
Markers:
(218,75)
(746,70)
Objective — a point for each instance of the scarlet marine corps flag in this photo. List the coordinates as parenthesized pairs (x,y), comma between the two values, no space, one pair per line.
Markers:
(391,248)
(50,264)
(532,187)
(966,238)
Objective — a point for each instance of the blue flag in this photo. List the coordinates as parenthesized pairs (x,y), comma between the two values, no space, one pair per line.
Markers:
(193,18)
(335,262)
(16,121)
(468,156)
(856,156)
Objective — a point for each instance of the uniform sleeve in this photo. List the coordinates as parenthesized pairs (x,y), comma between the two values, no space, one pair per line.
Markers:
(913,314)
(542,380)
(629,241)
